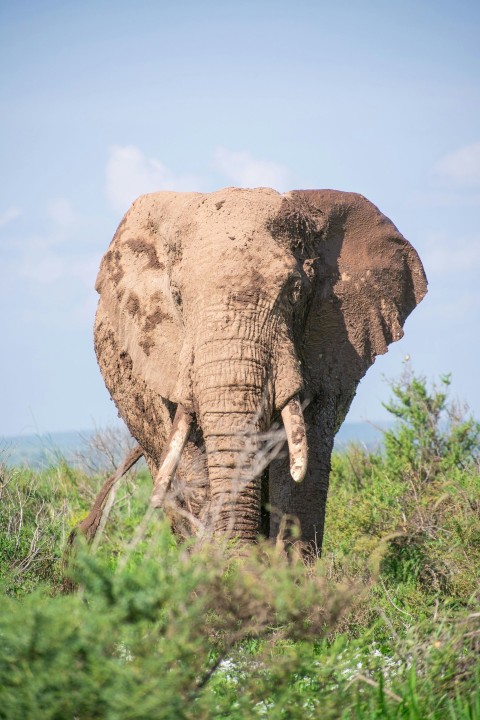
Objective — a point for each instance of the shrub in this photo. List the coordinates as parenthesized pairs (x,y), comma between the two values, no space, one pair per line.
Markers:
(413,507)
(385,625)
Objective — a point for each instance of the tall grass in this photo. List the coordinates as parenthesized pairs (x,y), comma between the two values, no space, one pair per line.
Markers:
(385,625)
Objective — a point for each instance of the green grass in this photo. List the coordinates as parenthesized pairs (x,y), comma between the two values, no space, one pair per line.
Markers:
(385,625)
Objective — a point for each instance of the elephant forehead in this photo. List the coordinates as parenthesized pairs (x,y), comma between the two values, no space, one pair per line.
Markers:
(238,219)
(222,262)
(231,227)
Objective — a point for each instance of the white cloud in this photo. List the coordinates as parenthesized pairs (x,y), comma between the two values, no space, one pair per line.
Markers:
(461,167)
(11,214)
(130,174)
(247,171)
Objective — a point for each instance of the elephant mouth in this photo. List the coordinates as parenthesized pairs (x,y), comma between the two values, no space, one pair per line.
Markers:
(295,435)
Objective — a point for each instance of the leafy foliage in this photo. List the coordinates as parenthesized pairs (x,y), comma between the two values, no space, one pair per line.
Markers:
(434,436)
(416,504)
(385,625)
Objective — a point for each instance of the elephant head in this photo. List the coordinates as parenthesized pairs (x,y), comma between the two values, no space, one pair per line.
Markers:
(240,306)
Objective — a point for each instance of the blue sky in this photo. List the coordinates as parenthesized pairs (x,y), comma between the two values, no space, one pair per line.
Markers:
(101,101)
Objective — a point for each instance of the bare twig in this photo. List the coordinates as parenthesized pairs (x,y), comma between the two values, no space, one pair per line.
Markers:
(94,519)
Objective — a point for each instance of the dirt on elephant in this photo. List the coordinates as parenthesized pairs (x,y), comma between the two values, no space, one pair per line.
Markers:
(247,310)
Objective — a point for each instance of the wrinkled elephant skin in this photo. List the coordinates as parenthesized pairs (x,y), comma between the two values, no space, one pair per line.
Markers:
(233,310)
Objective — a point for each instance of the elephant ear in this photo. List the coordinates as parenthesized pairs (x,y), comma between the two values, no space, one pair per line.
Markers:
(138,303)
(366,281)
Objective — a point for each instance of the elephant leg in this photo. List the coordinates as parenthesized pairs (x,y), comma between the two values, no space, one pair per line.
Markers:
(304,503)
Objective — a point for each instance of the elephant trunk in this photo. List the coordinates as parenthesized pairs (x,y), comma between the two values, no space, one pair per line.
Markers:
(235,489)
(234,406)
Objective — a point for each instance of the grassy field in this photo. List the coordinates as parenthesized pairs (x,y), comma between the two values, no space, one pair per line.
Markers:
(385,625)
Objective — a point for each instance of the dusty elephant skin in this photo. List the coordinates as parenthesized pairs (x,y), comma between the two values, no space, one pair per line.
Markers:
(232,310)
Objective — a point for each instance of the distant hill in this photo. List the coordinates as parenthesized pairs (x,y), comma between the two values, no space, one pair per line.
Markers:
(364,433)
(39,451)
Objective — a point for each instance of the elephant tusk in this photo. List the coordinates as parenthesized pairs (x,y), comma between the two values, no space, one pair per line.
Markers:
(171,455)
(294,424)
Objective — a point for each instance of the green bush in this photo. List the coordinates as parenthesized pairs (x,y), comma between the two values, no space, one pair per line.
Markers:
(414,505)
(385,625)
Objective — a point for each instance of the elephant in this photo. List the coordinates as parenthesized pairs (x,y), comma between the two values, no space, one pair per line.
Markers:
(224,314)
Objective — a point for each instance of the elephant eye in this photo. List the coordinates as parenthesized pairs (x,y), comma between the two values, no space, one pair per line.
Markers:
(294,290)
